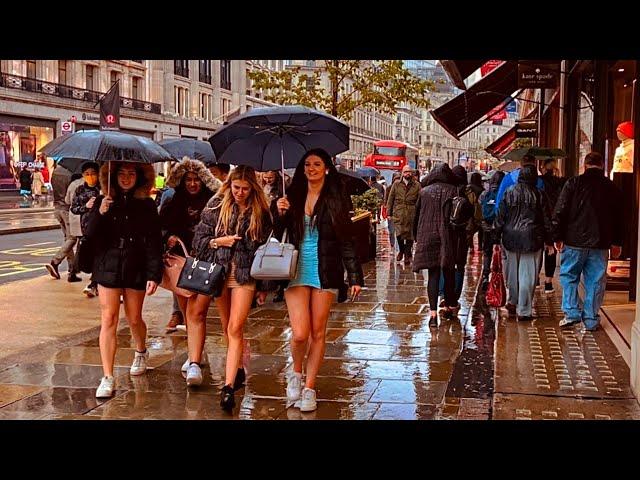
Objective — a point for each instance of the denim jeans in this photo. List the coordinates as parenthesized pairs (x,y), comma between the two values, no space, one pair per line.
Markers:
(592,264)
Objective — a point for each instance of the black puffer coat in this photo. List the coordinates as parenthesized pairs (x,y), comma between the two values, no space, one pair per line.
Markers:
(336,250)
(84,193)
(126,240)
(242,253)
(435,241)
(522,220)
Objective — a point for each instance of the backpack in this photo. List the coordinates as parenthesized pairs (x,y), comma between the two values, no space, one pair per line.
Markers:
(457,211)
(488,205)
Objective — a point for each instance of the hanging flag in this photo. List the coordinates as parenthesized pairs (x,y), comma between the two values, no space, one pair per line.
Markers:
(110,108)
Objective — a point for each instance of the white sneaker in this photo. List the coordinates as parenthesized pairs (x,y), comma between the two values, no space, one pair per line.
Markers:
(308,401)
(139,365)
(194,375)
(105,390)
(294,385)
(88,291)
(185,365)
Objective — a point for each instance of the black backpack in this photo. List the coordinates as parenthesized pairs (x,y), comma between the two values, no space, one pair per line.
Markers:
(457,211)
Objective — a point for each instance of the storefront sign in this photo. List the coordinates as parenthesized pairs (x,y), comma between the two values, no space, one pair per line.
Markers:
(490,66)
(538,75)
(526,129)
(90,118)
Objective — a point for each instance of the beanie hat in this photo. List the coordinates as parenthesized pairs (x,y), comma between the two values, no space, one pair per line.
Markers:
(626,128)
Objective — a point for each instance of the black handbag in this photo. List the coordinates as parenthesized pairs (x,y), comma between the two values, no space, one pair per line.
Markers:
(202,277)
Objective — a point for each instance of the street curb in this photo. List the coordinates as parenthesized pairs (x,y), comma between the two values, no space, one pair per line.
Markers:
(12,231)
(8,211)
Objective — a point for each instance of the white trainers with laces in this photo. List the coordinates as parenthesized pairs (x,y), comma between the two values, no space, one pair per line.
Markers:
(294,385)
(194,375)
(187,362)
(105,390)
(139,365)
(308,400)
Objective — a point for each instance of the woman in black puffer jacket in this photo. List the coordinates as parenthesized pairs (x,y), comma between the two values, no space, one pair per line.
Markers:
(124,229)
(523,225)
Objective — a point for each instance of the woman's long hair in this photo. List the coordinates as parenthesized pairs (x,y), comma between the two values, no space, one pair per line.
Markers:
(332,196)
(257,203)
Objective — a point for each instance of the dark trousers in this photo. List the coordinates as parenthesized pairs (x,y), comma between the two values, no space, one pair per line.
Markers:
(549,264)
(487,250)
(433,286)
(406,247)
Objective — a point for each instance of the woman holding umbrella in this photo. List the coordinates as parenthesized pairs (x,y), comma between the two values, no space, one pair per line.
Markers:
(194,186)
(125,230)
(315,213)
(235,222)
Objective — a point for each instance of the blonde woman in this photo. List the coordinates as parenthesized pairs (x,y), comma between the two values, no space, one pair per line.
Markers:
(234,224)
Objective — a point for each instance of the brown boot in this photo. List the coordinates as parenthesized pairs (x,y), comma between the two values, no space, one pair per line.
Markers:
(176,319)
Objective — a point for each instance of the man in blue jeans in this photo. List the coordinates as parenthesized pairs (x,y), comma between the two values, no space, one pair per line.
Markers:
(587,222)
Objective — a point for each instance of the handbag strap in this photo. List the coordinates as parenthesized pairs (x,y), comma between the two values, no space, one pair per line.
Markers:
(184,248)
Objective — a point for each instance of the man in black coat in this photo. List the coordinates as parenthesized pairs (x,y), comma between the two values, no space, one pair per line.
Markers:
(587,223)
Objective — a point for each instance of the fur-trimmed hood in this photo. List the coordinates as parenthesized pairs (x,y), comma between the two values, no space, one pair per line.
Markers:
(196,166)
(145,185)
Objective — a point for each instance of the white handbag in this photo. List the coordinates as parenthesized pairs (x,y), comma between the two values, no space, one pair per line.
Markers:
(275,260)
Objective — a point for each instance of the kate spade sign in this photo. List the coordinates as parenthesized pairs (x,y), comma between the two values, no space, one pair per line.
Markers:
(538,75)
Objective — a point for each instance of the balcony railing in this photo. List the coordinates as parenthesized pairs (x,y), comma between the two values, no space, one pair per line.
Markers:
(181,71)
(204,78)
(66,91)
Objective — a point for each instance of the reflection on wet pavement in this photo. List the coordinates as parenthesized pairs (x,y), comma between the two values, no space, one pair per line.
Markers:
(383,361)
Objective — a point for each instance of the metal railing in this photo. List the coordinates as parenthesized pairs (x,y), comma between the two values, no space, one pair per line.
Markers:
(75,93)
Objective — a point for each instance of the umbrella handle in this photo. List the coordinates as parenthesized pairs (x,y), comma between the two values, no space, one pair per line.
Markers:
(282,164)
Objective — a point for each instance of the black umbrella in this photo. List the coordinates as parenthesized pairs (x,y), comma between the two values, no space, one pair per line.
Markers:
(74,165)
(277,137)
(353,183)
(189,147)
(106,145)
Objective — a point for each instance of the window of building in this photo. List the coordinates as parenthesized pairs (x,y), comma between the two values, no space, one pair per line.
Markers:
(181,68)
(225,74)
(115,76)
(62,72)
(205,106)
(31,69)
(205,71)
(135,88)
(89,77)
(181,98)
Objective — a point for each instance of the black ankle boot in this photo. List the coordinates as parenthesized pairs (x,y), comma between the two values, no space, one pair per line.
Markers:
(240,379)
(227,400)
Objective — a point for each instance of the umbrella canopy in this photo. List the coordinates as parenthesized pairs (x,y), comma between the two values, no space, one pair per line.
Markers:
(508,166)
(353,183)
(368,172)
(189,147)
(275,138)
(538,152)
(74,165)
(104,145)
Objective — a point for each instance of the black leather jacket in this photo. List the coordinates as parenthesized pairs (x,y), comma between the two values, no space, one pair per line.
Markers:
(522,220)
(589,212)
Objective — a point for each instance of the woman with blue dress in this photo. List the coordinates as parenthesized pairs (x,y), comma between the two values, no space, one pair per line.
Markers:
(314,213)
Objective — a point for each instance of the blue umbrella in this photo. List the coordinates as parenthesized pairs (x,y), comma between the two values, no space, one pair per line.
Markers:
(277,137)
(189,147)
(368,172)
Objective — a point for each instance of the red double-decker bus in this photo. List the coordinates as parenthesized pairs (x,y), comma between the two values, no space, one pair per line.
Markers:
(390,156)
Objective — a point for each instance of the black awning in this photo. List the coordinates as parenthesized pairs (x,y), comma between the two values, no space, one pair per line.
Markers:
(464,111)
(458,70)
(502,143)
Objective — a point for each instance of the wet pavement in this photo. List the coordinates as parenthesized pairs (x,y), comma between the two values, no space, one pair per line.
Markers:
(383,361)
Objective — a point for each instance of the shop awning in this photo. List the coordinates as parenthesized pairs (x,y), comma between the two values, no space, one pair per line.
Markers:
(458,70)
(502,143)
(463,113)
